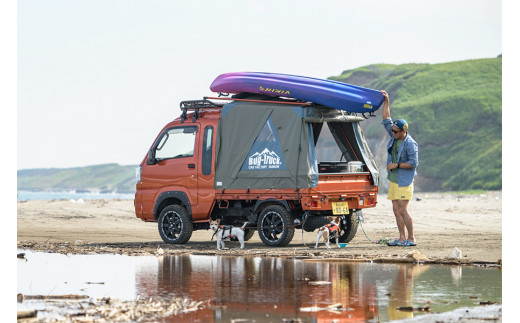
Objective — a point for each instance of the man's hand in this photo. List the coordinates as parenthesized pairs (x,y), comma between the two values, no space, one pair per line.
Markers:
(391,166)
(386,106)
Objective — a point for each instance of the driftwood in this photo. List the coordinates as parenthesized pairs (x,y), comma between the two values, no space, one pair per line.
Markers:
(21,297)
(413,309)
(26,314)
(113,310)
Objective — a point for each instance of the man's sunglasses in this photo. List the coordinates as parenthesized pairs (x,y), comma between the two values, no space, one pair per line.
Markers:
(396,131)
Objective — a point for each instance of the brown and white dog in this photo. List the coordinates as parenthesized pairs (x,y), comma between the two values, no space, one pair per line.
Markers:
(227,232)
(328,231)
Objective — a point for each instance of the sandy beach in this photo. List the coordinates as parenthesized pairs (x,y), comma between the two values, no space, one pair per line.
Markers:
(472,223)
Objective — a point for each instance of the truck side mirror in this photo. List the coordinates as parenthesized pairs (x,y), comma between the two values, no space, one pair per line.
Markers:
(151,157)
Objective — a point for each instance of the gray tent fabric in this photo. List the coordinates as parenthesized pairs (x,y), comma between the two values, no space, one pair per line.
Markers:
(368,158)
(247,160)
(271,145)
(353,145)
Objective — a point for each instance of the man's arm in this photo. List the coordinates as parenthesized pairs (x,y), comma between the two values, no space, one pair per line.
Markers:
(401,165)
(386,106)
(413,158)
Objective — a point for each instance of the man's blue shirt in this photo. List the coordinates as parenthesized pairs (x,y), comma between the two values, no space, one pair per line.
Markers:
(408,153)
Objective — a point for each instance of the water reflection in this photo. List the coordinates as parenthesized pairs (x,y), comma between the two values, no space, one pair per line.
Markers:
(263,288)
(401,292)
(275,288)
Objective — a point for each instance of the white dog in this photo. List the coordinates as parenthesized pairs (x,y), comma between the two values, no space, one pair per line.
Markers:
(227,232)
(328,231)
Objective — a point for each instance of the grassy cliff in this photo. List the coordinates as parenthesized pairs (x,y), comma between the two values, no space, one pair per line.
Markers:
(454,111)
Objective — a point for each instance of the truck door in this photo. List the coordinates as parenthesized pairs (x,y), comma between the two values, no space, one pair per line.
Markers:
(172,166)
(206,189)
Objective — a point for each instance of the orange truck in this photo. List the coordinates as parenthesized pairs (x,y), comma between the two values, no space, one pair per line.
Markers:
(278,164)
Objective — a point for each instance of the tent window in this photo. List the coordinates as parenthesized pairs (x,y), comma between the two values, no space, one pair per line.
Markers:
(326,147)
(267,133)
(266,152)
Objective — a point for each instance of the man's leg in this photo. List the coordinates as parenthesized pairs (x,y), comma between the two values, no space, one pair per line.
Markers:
(402,206)
(401,224)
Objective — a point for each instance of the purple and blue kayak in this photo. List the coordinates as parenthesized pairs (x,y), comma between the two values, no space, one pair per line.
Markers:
(325,92)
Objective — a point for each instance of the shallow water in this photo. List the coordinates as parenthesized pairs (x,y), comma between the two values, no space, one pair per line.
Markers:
(261,288)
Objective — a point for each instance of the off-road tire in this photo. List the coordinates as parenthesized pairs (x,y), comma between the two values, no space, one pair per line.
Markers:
(348,226)
(248,234)
(314,222)
(174,225)
(273,226)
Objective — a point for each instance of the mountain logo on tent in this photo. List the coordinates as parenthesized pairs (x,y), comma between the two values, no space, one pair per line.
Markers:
(267,159)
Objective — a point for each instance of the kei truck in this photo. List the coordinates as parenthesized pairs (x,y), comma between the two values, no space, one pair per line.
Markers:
(281,152)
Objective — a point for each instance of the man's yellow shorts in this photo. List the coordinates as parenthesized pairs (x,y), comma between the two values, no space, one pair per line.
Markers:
(400,193)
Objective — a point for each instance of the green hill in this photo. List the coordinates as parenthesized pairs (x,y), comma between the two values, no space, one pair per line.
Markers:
(454,111)
(106,177)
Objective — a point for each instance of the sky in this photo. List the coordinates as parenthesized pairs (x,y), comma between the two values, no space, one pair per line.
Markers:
(97,80)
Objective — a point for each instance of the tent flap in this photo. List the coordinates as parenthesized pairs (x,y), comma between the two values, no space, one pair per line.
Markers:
(264,146)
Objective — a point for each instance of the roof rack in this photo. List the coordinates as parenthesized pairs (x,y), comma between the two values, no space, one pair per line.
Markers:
(196,105)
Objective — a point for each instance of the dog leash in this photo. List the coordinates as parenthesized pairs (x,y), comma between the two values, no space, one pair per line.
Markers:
(249,228)
(380,241)
(269,227)
(358,220)
(305,216)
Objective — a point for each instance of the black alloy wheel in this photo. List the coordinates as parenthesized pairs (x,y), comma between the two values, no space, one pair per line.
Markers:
(174,225)
(273,226)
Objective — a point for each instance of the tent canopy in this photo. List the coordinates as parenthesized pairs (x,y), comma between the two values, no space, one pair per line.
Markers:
(272,145)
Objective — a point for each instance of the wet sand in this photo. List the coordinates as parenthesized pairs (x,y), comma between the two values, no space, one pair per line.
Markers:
(472,223)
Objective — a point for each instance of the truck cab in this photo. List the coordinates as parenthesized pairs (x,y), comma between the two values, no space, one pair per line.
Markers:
(256,159)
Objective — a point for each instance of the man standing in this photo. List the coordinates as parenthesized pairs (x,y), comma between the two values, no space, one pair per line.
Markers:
(402,161)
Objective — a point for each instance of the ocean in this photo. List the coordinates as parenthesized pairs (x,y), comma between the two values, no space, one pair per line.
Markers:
(71,195)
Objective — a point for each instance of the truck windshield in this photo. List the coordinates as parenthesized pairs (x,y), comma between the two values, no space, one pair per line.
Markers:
(176,143)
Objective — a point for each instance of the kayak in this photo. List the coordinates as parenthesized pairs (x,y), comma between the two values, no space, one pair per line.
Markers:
(329,93)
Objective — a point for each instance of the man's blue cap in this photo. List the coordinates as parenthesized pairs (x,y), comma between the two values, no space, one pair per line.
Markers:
(401,124)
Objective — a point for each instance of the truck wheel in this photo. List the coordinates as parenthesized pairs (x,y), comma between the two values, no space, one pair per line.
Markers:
(348,227)
(174,225)
(314,222)
(248,234)
(273,226)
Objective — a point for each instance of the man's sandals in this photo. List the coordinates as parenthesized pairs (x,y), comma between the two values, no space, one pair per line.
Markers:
(406,243)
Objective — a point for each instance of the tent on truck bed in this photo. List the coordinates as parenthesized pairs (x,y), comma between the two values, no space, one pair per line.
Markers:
(273,145)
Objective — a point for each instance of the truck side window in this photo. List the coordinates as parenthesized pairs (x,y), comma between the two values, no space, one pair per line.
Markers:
(207,150)
(176,143)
